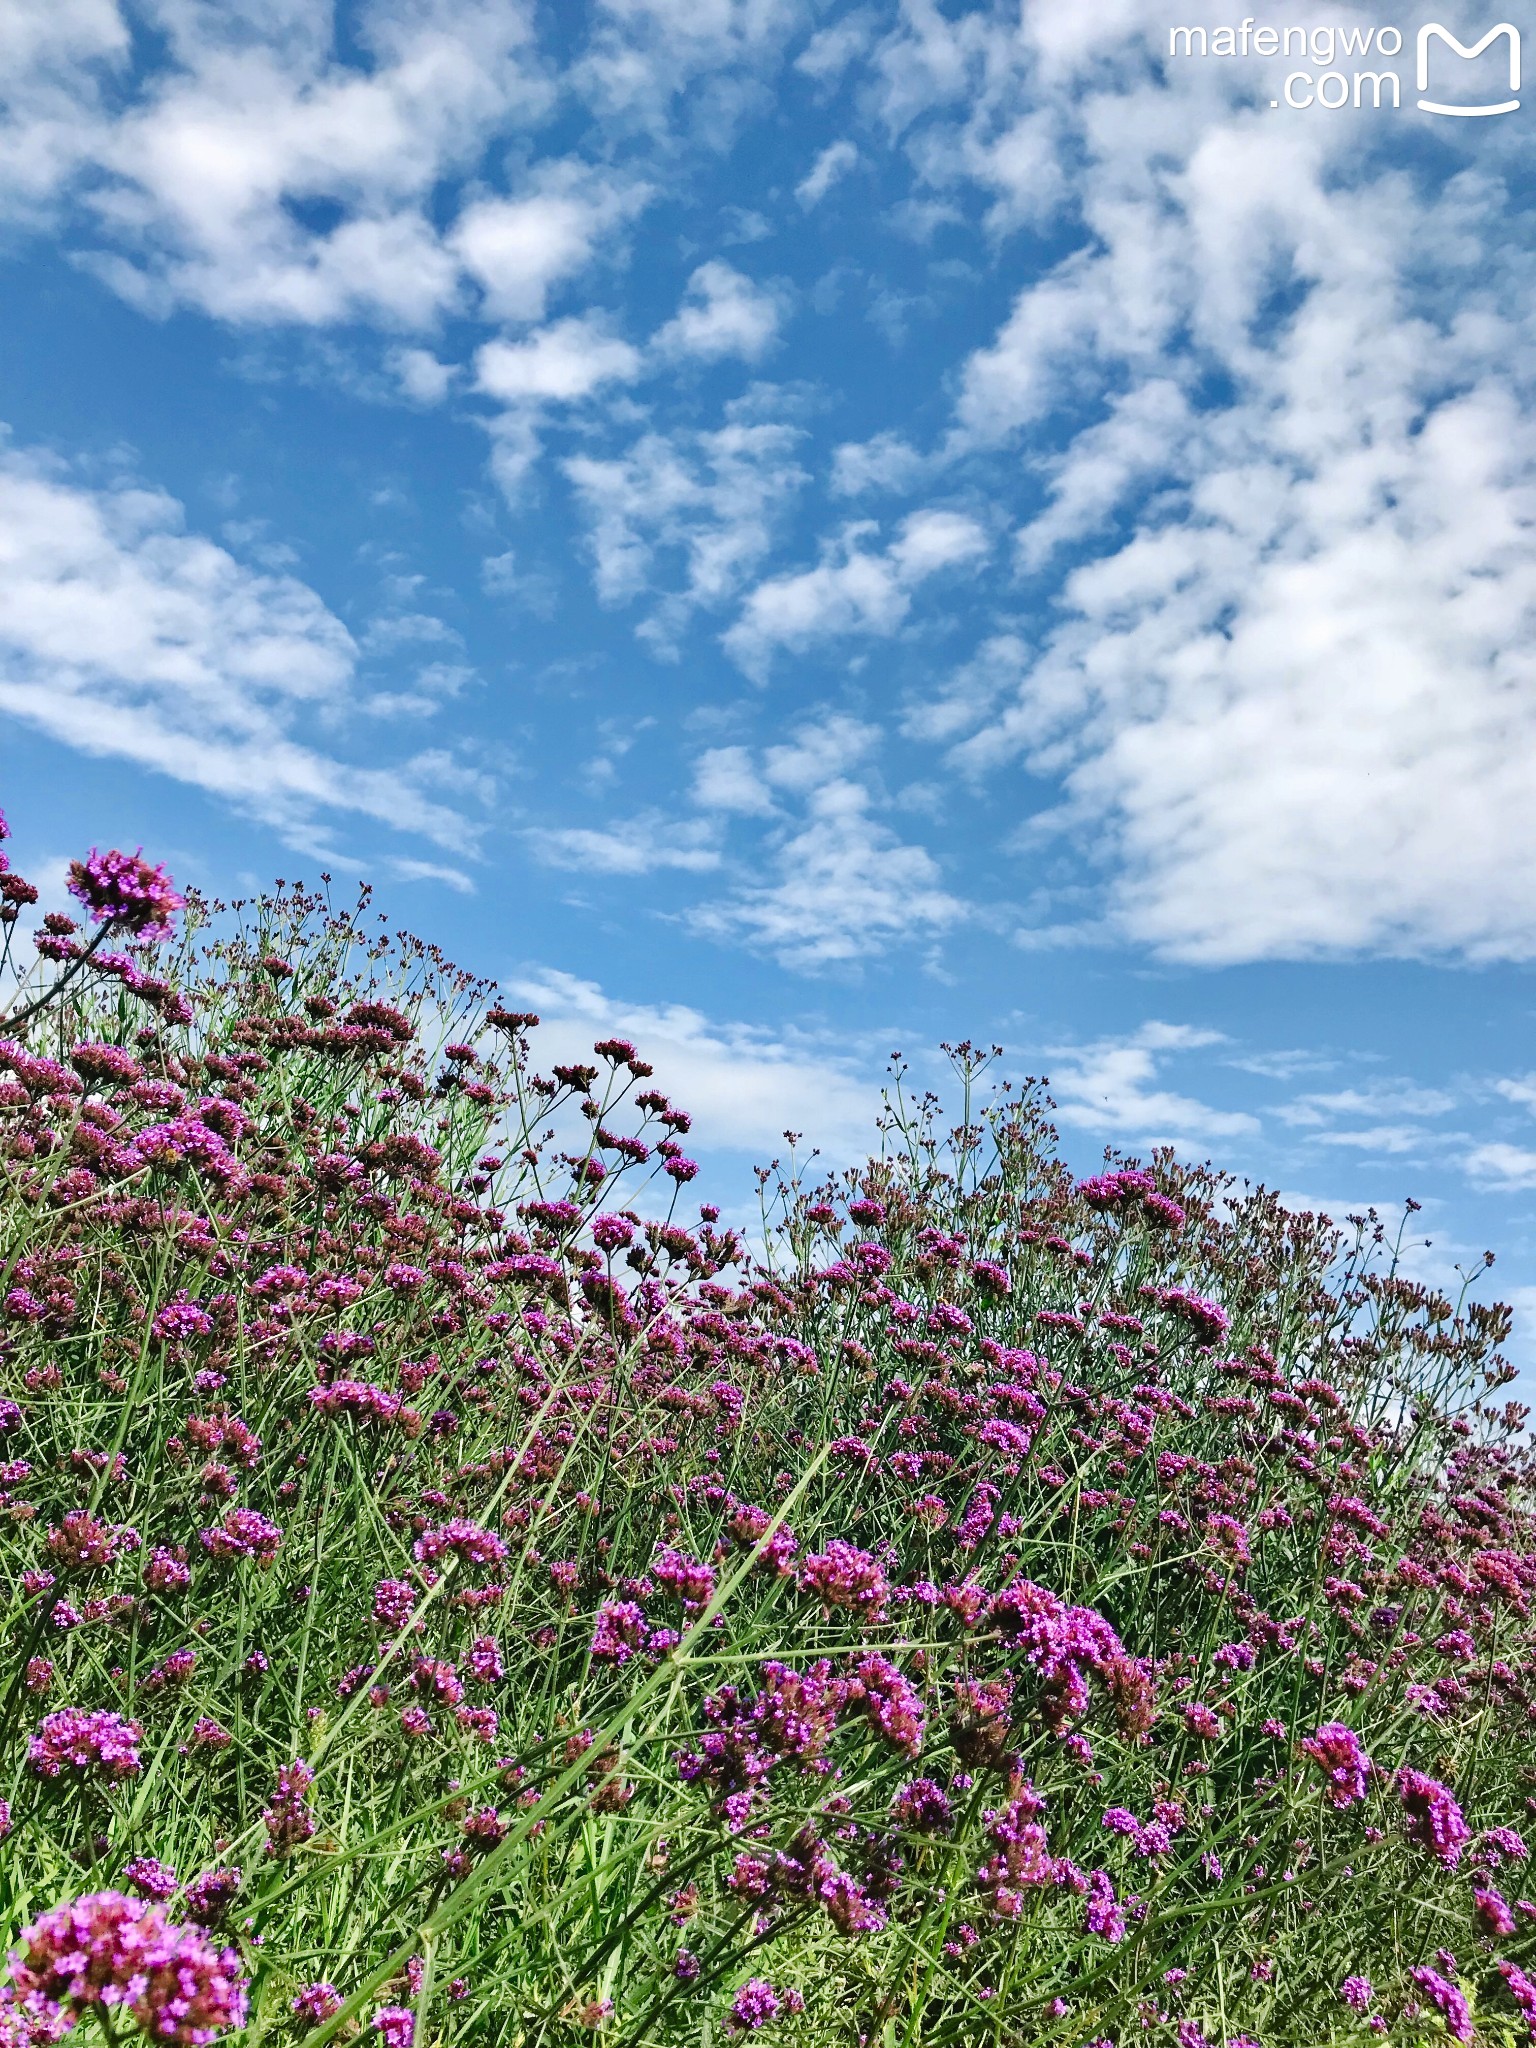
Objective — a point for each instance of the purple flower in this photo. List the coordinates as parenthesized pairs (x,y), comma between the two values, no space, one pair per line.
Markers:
(842,1575)
(1358,1993)
(466,1540)
(754,2005)
(314,2003)
(620,1632)
(484,1660)
(892,1704)
(1521,1989)
(180,1320)
(110,1952)
(242,1533)
(150,1878)
(1336,1751)
(100,1743)
(1102,1914)
(1432,1818)
(923,1806)
(1501,1842)
(396,2025)
(166,1572)
(207,1897)
(393,1602)
(122,889)
(684,1577)
(1441,1992)
(1492,1913)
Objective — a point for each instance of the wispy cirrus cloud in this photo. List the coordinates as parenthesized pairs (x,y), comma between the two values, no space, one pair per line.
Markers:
(121,634)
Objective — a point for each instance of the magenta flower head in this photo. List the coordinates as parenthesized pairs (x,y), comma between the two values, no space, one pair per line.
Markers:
(314,2003)
(396,2025)
(842,1575)
(620,1631)
(462,1539)
(754,2005)
(1346,1768)
(1448,1998)
(100,1744)
(243,1533)
(151,1878)
(122,889)
(107,1951)
(1432,1818)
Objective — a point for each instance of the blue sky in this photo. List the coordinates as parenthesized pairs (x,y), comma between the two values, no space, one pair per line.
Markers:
(799,529)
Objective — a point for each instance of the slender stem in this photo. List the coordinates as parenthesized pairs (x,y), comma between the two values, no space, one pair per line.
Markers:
(55,989)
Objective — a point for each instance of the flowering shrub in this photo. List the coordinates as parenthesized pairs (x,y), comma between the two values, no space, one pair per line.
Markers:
(454,1593)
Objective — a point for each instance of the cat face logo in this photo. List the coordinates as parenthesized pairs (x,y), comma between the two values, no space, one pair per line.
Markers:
(1431,29)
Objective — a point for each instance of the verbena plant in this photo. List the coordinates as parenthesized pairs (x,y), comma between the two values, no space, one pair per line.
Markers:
(450,1598)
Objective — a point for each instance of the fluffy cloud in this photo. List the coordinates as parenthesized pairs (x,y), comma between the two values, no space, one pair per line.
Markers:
(121,634)
(518,249)
(855,589)
(711,501)
(1113,1087)
(1290,699)
(723,314)
(841,885)
(559,364)
(263,177)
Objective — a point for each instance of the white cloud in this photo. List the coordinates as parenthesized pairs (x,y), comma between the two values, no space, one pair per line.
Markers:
(1381,1099)
(422,377)
(55,57)
(832,49)
(970,693)
(431,871)
(744,1086)
(263,176)
(633,846)
(123,635)
(853,590)
(1502,1167)
(820,751)
(885,462)
(834,162)
(559,364)
(724,779)
(723,314)
(1390,1139)
(260,180)
(649,61)
(715,499)
(843,887)
(518,249)
(1291,696)
(1112,1086)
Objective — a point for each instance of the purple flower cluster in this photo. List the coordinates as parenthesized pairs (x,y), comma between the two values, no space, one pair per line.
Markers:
(110,1952)
(97,1744)
(1431,1816)
(123,890)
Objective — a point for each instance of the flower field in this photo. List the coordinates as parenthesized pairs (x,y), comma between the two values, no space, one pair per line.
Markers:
(455,1591)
